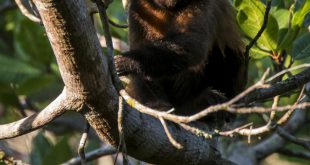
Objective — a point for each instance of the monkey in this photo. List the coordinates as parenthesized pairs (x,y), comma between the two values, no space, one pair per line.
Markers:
(184,54)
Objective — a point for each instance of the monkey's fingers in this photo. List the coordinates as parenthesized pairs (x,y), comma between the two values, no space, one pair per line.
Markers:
(121,65)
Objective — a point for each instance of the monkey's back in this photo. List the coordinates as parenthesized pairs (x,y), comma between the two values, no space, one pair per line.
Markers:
(221,69)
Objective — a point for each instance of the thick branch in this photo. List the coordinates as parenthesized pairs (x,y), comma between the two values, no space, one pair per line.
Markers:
(82,65)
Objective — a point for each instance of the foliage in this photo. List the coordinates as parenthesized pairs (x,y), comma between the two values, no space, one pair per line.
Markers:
(285,26)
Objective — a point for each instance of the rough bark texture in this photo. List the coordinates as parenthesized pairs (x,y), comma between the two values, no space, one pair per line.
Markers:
(82,66)
(85,73)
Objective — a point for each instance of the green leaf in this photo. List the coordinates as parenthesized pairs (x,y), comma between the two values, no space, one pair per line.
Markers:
(286,39)
(298,17)
(250,18)
(58,153)
(31,43)
(255,53)
(240,4)
(301,47)
(278,4)
(282,16)
(13,70)
(41,147)
(35,84)
(118,16)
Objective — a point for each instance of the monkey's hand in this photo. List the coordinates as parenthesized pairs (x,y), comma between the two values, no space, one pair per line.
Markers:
(124,65)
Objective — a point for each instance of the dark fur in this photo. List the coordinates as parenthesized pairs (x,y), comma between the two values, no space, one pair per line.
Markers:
(185,54)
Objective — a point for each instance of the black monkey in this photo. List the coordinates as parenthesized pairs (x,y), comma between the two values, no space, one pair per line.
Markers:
(185,54)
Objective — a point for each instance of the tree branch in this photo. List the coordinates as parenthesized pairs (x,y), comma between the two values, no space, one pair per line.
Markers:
(25,8)
(284,134)
(36,121)
(279,88)
(93,155)
(275,142)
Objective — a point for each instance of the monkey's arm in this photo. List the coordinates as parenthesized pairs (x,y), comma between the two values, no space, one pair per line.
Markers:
(168,56)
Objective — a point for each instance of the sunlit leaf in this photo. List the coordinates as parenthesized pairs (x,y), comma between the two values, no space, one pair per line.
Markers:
(300,14)
(255,53)
(250,18)
(282,16)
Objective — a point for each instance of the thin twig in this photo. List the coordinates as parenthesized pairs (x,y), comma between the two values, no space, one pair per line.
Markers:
(181,119)
(279,88)
(93,155)
(116,81)
(273,143)
(270,125)
(117,25)
(266,110)
(81,149)
(249,131)
(110,50)
(274,105)
(287,115)
(288,70)
(171,139)
(197,131)
(122,143)
(27,11)
(250,135)
(236,130)
(259,84)
(215,108)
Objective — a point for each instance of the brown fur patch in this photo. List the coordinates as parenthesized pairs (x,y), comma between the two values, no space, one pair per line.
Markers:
(184,19)
(155,21)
